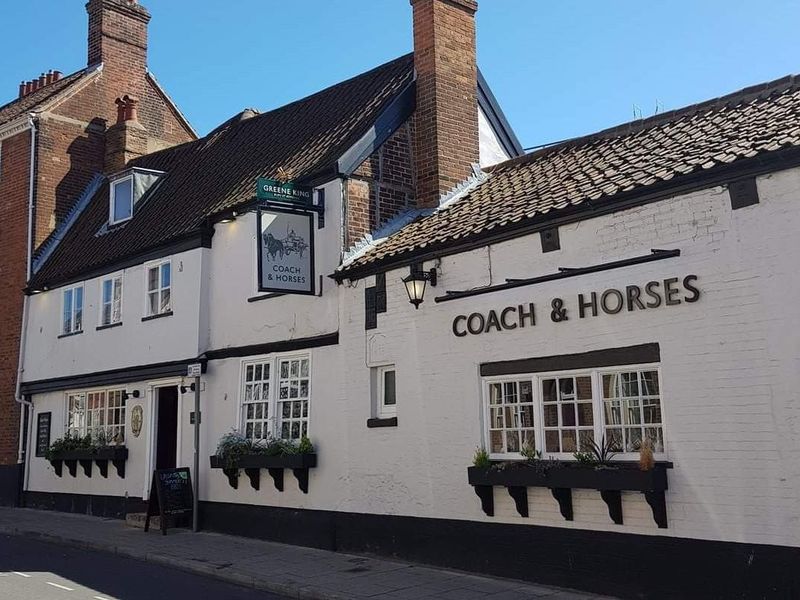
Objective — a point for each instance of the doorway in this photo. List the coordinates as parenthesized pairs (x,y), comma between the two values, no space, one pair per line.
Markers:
(167,428)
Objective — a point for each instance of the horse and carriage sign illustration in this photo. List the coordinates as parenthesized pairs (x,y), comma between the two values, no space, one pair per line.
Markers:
(286,251)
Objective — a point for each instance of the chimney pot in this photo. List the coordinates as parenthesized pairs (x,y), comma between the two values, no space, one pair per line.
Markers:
(22,89)
(42,80)
(57,75)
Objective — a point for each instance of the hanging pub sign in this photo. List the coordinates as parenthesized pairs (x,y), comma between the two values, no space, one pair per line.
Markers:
(273,190)
(285,251)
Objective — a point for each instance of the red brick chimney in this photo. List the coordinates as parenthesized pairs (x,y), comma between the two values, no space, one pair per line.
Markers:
(118,34)
(446,118)
(127,138)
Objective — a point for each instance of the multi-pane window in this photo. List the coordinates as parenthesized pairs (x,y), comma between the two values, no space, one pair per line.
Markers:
(632,403)
(255,402)
(511,416)
(72,315)
(293,398)
(563,413)
(275,398)
(111,301)
(76,414)
(568,413)
(121,205)
(159,288)
(99,414)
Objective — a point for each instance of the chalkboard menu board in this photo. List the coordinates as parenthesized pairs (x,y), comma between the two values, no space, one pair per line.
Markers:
(170,496)
(43,421)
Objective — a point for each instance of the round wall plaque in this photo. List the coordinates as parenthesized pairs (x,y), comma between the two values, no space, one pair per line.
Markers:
(136,420)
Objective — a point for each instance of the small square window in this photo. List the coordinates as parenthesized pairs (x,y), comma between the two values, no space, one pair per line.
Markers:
(121,206)
(385,391)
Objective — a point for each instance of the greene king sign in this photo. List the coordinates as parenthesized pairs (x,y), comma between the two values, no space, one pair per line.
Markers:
(285,251)
(273,190)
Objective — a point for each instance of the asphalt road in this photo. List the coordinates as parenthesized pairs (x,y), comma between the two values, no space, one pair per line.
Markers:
(35,570)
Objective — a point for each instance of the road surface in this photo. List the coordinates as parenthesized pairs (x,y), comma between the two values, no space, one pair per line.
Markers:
(35,570)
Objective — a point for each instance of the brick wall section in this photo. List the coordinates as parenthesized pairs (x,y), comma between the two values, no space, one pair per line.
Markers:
(70,150)
(381,187)
(14,174)
(447,138)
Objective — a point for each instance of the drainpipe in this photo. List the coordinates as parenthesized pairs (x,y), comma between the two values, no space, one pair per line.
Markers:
(25,405)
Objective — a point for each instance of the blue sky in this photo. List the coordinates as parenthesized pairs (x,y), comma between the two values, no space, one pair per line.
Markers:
(559,68)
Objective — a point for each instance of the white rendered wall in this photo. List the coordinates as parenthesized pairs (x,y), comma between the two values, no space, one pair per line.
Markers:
(134,343)
(232,277)
(729,368)
(491,152)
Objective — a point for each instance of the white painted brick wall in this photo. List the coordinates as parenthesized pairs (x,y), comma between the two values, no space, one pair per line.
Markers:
(729,366)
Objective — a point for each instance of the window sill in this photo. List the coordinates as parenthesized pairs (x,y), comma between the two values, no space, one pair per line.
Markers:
(66,335)
(158,316)
(382,422)
(264,297)
(111,326)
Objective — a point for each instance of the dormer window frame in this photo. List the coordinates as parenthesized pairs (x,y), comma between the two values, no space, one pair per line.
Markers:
(112,198)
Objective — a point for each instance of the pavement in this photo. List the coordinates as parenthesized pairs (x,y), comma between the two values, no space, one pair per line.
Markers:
(36,570)
(290,571)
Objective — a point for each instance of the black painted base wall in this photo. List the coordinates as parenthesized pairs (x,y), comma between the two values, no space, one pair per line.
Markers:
(10,484)
(109,507)
(619,564)
(623,565)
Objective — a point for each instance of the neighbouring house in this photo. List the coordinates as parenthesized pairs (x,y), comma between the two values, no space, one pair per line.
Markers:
(57,140)
(575,366)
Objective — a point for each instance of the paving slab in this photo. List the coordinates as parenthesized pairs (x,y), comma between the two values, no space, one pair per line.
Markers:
(274,567)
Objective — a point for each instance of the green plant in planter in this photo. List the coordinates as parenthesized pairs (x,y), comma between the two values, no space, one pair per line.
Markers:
(305,446)
(481,458)
(68,443)
(530,453)
(232,446)
(598,456)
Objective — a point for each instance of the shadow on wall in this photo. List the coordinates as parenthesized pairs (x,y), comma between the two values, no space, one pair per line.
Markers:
(86,154)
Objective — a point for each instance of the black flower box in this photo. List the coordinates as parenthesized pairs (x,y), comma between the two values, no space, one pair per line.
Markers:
(118,455)
(275,465)
(561,478)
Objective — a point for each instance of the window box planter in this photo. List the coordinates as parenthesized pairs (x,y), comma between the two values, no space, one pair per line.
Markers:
(275,465)
(562,478)
(118,455)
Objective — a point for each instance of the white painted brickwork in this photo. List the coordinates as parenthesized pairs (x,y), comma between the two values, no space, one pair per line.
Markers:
(729,367)
(730,370)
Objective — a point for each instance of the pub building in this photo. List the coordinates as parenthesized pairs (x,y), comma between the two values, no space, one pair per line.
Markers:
(576,366)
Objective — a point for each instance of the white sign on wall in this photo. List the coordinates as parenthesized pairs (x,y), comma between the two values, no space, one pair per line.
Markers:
(286,251)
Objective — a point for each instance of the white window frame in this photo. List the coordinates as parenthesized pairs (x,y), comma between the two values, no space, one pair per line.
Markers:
(274,419)
(159,289)
(385,411)
(73,312)
(83,428)
(116,277)
(599,421)
(112,199)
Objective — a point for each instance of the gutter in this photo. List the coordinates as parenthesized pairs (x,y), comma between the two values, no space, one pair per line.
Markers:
(25,404)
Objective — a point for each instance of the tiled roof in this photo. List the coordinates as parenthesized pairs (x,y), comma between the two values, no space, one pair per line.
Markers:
(220,170)
(37,99)
(596,168)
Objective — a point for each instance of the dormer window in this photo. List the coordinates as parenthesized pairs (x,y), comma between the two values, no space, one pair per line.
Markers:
(127,189)
(121,200)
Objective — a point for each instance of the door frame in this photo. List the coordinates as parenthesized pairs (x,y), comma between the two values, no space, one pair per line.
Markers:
(152,421)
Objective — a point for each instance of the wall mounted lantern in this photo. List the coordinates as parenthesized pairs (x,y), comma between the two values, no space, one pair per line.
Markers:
(416,282)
